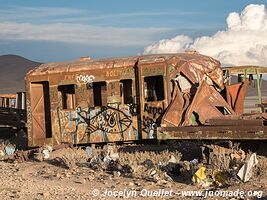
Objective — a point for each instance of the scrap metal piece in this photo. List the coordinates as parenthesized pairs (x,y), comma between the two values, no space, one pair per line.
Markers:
(207,103)
(174,112)
(235,94)
(245,173)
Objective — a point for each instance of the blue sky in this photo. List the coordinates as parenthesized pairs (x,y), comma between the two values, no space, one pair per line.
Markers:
(65,30)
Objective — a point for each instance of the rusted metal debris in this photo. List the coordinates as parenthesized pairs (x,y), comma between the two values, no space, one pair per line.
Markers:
(13,117)
(236,95)
(126,99)
(13,110)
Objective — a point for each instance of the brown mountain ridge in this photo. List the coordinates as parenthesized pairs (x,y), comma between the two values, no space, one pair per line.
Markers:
(12,72)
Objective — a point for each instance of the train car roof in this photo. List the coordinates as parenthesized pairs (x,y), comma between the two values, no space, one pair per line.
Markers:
(248,69)
(12,96)
(92,64)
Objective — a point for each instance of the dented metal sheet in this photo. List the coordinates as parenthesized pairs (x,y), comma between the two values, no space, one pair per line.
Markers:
(235,95)
(206,100)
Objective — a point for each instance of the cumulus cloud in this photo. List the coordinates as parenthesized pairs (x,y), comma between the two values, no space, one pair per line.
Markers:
(243,42)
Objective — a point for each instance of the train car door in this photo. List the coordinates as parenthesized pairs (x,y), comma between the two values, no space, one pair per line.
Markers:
(40,111)
(153,95)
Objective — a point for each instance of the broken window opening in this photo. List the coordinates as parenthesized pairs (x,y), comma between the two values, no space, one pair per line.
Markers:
(154,88)
(67,96)
(223,110)
(100,93)
(126,91)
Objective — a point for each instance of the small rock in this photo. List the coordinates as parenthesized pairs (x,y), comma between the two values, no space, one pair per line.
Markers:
(153,173)
(114,156)
(138,184)
(89,151)
(148,164)
(131,184)
(45,194)
(2,153)
(116,174)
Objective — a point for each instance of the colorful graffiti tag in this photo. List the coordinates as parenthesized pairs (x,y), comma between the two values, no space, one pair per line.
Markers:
(100,120)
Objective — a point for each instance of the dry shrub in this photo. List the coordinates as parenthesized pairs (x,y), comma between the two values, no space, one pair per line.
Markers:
(260,169)
(72,157)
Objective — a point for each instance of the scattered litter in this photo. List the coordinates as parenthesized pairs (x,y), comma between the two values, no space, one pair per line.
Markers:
(107,159)
(194,161)
(245,172)
(219,178)
(9,150)
(46,151)
(89,151)
(200,175)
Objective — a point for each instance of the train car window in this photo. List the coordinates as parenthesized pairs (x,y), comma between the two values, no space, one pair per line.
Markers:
(126,91)
(67,96)
(154,88)
(100,93)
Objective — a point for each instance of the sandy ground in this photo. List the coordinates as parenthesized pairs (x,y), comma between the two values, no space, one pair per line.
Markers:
(69,174)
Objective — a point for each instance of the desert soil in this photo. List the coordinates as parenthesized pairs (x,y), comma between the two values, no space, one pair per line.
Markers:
(135,171)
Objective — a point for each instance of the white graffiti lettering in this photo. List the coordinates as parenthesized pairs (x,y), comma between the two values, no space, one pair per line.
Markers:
(85,78)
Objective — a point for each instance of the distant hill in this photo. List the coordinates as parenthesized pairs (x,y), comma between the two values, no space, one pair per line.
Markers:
(12,72)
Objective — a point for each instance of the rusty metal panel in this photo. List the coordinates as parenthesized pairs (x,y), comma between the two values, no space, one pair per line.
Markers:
(207,100)
(235,94)
(153,95)
(214,132)
(235,122)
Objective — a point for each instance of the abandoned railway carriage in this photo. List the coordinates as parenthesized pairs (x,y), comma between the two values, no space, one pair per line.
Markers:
(122,99)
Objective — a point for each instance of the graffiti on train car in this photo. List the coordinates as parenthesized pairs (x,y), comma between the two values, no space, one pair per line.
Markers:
(154,110)
(106,119)
(152,71)
(85,78)
(149,127)
(120,73)
(149,120)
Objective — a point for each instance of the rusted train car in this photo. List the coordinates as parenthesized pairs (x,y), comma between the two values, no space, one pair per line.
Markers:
(129,99)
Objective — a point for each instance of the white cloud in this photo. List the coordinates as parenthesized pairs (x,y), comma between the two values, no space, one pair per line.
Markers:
(79,33)
(244,41)
(171,46)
